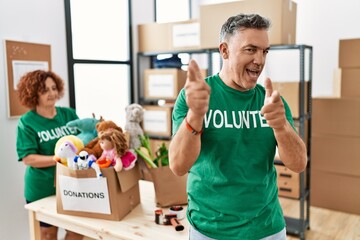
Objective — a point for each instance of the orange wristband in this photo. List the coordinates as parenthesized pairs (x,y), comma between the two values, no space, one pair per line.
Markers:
(190,128)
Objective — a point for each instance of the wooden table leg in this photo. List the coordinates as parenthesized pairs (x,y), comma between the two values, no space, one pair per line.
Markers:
(35,233)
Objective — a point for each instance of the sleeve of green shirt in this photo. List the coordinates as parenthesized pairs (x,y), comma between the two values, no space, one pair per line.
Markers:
(26,141)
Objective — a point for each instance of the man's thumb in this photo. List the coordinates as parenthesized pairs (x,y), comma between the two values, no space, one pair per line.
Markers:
(268,87)
(194,71)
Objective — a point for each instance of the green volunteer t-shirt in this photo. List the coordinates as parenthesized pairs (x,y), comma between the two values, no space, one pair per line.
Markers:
(38,135)
(232,187)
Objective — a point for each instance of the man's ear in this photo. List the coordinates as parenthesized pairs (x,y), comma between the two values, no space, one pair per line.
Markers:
(224,50)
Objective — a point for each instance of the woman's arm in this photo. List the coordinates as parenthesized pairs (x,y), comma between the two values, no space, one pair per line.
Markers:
(39,161)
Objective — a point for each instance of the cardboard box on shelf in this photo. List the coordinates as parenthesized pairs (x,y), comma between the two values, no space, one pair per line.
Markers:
(282,14)
(157,120)
(288,182)
(335,191)
(185,35)
(81,193)
(350,82)
(167,37)
(336,154)
(154,37)
(290,91)
(163,83)
(349,52)
(336,116)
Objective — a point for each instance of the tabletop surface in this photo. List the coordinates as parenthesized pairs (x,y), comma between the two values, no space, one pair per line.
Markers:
(138,224)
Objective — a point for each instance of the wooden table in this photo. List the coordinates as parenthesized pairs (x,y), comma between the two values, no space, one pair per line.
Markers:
(138,224)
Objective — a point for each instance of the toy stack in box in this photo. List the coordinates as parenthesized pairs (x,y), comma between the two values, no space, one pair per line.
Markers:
(96,175)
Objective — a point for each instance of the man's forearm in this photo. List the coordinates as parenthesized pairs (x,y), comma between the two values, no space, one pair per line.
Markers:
(184,149)
(291,148)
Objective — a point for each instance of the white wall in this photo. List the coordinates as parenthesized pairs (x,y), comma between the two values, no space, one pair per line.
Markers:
(38,21)
(320,23)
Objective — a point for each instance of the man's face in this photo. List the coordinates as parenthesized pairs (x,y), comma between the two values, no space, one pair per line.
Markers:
(245,58)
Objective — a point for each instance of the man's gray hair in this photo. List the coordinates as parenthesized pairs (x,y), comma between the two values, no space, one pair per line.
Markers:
(243,21)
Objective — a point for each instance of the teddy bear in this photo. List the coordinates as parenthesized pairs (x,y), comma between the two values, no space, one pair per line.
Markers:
(134,116)
(93,147)
(87,128)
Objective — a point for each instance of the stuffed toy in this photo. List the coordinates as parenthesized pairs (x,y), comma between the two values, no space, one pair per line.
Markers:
(87,128)
(134,116)
(116,150)
(84,161)
(66,148)
(93,147)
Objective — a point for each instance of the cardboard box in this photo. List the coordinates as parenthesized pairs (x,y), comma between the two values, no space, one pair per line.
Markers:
(154,37)
(336,83)
(144,170)
(80,193)
(290,91)
(336,154)
(350,82)
(170,189)
(334,191)
(336,116)
(163,83)
(288,182)
(172,36)
(154,145)
(349,52)
(282,14)
(157,121)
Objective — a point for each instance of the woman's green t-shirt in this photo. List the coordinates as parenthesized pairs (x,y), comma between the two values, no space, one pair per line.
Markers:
(38,135)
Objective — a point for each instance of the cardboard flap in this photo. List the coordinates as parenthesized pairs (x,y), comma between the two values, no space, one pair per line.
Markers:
(128,179)
(64,170)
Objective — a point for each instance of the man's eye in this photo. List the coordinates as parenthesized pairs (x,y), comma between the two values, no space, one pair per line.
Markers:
(250,49)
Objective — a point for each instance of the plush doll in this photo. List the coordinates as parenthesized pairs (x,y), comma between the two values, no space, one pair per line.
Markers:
(93,147)
(87,128)
(134,116)
(115,149)
(65,147)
